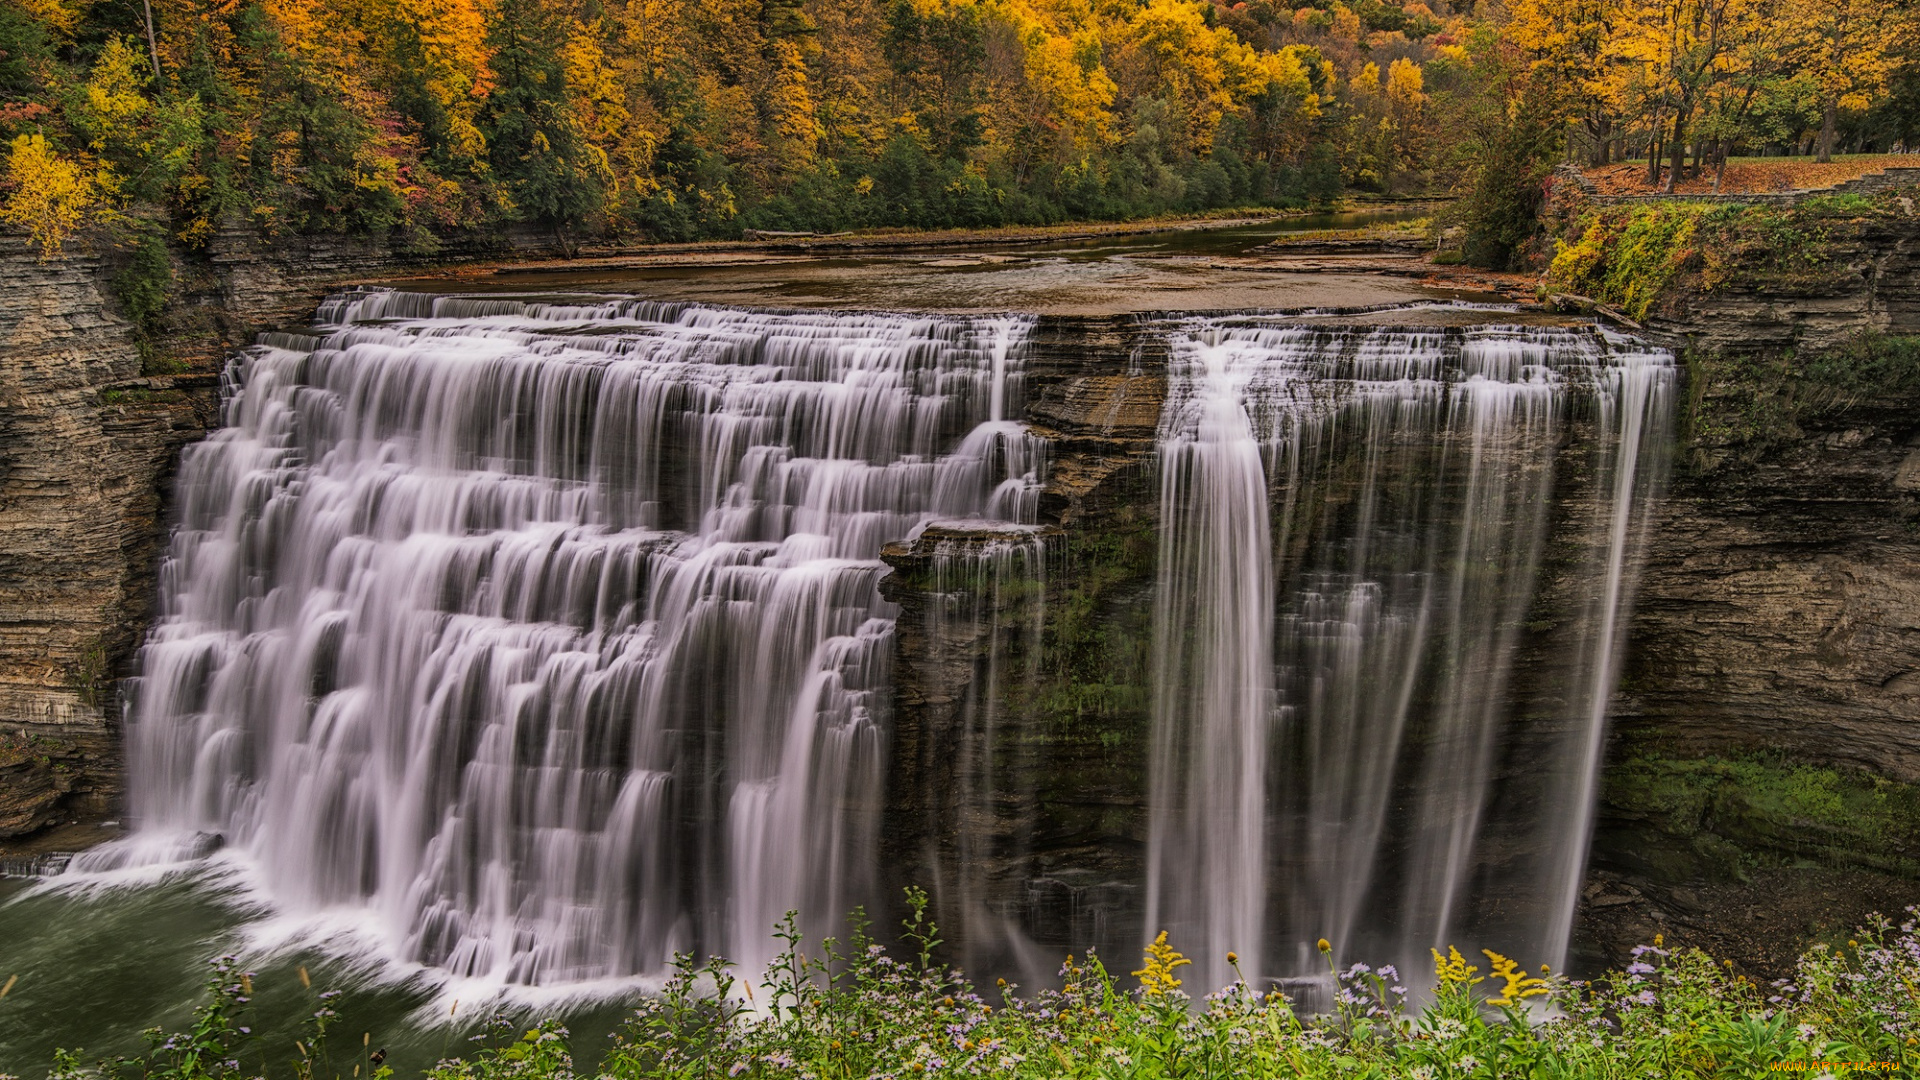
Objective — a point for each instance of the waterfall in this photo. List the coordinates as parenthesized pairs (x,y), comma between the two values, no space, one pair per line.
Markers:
(1355,523)
(545,636)
(1213,678)
(543,640)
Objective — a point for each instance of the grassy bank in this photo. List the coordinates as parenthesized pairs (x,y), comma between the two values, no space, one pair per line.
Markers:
(856,1011)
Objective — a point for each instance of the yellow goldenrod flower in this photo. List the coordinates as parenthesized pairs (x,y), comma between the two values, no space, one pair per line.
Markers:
(1453,968)
(1157,977)
(1518,983)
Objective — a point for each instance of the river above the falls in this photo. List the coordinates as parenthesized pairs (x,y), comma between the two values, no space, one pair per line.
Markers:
(1188,269)
(519,632)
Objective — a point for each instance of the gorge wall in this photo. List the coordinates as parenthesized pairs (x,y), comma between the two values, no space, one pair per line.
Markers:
(1058,853)
(1761,786)
(93,413)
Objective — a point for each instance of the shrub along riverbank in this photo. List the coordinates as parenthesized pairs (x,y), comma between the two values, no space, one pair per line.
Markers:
(856,1011)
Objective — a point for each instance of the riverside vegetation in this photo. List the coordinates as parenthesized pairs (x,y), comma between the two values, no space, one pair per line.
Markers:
(854,1010)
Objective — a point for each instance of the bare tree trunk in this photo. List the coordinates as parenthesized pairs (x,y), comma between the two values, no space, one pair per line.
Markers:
(1829,114)
(1679,149)
(153,48)
(1654,147)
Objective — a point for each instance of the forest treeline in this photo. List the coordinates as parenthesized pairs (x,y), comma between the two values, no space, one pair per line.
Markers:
(685,119)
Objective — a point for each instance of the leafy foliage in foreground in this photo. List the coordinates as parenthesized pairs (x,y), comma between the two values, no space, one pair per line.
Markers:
(855,1011)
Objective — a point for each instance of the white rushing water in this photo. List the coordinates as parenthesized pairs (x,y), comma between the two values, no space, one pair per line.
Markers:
(1354,524)
(545,638)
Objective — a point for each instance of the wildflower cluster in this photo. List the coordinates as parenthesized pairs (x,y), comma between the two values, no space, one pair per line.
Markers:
(854,1011)
(859,1013)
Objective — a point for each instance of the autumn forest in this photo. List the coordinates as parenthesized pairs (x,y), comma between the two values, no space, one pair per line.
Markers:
(670,120)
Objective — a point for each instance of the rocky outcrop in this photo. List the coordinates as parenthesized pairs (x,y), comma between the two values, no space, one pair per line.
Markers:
(86,442)
(1803,281)
(1021,706)
(93,414)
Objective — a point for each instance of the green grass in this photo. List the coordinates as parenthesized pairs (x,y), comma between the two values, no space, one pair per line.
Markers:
(1773,810)
(1743,406)
(1641,256)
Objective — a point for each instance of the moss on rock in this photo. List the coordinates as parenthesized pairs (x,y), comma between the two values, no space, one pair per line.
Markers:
(1724,816)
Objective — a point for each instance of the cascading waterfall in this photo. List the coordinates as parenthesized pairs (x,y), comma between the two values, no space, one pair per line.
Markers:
(1213,674)
(543,639)
(1354,526)
(547,635)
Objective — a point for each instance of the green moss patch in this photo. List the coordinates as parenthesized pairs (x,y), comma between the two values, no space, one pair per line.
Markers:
(1740,812)
(1637,256)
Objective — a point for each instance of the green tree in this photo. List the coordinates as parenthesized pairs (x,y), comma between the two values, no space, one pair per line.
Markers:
(553,174)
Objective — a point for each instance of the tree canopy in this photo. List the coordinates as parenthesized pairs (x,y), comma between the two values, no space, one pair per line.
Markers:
(676,119)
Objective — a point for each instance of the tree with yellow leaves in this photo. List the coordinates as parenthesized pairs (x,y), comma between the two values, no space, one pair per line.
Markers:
(48,194)
(1847,47)
(1577,45)
(1203,70)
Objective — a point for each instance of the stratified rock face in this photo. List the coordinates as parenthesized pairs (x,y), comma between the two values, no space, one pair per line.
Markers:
(1777,634)
(89,435)
(1812,288)
(86,444)
(1780,608)
(1021,714)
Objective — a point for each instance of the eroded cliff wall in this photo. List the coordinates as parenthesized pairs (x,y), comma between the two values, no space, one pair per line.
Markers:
(1761,783)
(1021,726)
(93,414)
(86,442)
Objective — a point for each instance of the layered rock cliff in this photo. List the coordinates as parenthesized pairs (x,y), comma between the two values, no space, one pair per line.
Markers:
(1021,723)
(1762,782)
(87,439)
(93,413)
